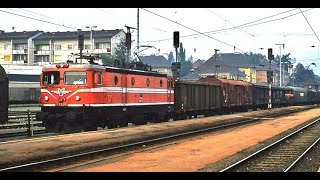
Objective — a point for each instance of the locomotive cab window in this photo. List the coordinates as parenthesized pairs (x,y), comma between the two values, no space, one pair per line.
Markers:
(75,78)
(51,78)
(97,78)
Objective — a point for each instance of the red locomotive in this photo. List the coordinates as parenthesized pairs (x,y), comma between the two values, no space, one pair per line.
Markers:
(77,97)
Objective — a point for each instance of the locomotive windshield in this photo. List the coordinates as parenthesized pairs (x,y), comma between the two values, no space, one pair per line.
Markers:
(50,78)
(75,78)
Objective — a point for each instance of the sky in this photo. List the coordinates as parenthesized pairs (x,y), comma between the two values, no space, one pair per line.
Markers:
(231,29)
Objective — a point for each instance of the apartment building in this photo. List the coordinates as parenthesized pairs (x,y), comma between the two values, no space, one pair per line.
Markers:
(39,48)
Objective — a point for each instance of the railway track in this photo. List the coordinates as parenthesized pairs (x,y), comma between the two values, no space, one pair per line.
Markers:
(18,124)
(61,161)
(282,155)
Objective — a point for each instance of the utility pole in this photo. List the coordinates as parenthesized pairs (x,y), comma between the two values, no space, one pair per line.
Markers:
(280,63)
(138,29)
(214,62)
(91,38)
(128,41)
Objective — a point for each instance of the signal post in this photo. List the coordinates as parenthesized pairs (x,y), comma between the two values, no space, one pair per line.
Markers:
(270,76)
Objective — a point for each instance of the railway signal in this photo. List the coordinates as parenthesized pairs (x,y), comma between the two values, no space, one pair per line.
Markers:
(270,55)
(176,39)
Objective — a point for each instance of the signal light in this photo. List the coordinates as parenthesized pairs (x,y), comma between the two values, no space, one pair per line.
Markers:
(270,56)
(176,39)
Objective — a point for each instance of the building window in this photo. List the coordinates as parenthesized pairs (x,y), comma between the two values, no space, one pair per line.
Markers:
(41,59)
(70,47)
(57,47)
(20,46)
(20,57)
(104,45)
(57,58)
(132,81)
(6,46)
(160,82)
(43,47)
(87,46)
(7,57)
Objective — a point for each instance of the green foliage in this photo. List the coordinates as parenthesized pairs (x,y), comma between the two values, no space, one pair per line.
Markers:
(119,54)
(185,65)
(302,75)
(254,58)
(171,57)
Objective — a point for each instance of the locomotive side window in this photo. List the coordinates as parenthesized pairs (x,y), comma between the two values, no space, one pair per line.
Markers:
(71,77)
(160,82)
(148,82)
(50,78)
(116,80)
(97,78)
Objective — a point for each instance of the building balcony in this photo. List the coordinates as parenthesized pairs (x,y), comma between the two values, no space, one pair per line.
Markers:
(20,51)
(102,51)
(42,52)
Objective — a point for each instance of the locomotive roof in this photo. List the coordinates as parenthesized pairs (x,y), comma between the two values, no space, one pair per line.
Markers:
(297,88)
(110,69)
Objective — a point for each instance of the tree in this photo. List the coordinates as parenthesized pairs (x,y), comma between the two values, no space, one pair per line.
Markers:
(253,58)
(185,65)
(120,54)
(190,59)
(171,57)
(302,75)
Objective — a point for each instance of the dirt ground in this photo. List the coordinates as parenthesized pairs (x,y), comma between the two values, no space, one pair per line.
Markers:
(192,155)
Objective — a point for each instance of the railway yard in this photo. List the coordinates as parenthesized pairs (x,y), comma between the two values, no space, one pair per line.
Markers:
(268,140)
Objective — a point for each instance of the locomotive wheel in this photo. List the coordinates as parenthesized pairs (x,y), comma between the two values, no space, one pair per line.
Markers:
(112,124)
(123,123)
(67,128)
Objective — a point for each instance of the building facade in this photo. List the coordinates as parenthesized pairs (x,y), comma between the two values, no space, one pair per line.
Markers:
(39,48)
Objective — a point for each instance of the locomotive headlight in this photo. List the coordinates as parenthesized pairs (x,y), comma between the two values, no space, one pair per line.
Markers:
(46,98)
(77,98)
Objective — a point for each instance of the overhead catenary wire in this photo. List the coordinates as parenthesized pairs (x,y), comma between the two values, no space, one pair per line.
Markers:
(309,25)
(38,19)
(193,30)
(228,21)
(239,26)
(40,14)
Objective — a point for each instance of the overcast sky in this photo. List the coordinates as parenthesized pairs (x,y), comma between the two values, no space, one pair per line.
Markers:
(292,30)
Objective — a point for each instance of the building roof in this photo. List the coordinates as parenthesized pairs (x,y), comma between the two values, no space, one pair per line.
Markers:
(233,59)
(17,35)
(197,63)
(192,76)
(155,61)
(221,66)
(264,66)
(75,34)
